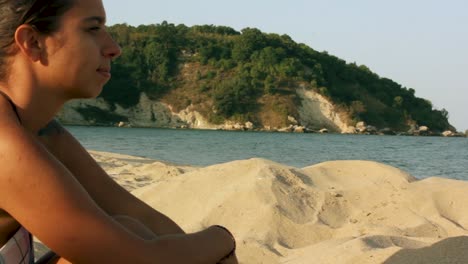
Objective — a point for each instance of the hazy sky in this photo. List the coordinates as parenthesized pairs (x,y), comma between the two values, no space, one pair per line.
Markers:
(418,44)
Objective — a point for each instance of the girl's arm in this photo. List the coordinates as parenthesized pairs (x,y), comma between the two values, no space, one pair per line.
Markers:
(43,195)
(109,195)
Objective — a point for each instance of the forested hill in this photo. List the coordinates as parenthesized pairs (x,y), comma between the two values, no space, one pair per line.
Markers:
(226,74)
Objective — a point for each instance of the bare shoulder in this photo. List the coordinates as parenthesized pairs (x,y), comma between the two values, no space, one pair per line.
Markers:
(20,154)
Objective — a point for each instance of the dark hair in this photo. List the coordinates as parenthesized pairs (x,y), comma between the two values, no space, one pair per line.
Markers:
(43,15)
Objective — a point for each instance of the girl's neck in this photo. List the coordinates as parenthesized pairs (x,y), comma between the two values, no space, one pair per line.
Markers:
(35,107)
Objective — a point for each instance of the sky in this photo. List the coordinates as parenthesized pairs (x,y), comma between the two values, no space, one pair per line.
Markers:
(419,44)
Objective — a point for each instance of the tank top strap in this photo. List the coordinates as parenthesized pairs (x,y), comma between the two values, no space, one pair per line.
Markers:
(14,109)
(13,106)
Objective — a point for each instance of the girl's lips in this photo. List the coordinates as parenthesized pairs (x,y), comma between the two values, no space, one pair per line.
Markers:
(104,72)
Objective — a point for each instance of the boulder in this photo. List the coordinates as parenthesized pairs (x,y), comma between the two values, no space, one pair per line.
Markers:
(361,127)
(292,120)
(371,129)
(447,133)
(299,129)
(286,129)
(249,125)
(423,129)
(350,130)
(236,126)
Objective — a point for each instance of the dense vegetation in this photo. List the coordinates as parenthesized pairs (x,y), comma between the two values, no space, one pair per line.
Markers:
(237,75)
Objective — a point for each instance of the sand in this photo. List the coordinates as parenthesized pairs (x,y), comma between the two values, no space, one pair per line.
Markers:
(332,212)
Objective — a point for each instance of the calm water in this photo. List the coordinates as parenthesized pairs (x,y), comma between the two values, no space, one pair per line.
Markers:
(420,156)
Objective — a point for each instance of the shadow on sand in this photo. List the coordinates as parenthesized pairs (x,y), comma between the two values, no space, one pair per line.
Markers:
(452,250)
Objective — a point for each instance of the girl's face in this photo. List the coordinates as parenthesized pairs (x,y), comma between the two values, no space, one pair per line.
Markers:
(79,54)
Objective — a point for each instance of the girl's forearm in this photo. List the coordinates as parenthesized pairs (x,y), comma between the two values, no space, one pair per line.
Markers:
(159,223)
(207,246)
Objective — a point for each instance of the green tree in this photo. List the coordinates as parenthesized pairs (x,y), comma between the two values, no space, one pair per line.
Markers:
(235,96)
(357,107)
(249,41)
(398,102)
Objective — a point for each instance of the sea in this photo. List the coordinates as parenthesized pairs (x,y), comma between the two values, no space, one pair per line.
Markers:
(422,157)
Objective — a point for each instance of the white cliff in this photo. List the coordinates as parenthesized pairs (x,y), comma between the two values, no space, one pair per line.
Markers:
(317,112)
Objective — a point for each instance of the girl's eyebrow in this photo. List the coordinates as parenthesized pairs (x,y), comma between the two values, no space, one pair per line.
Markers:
(98,19)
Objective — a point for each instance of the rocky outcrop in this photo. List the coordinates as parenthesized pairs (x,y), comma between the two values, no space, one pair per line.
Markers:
(363,128)
(317,112)
(147,113)
(450,133)
(423,129)
(447,133)
(416,130)
(70,113)
(193,119)
(350,130)
(293,128)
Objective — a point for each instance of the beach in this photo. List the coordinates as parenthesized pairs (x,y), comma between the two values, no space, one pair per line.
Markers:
(331,212)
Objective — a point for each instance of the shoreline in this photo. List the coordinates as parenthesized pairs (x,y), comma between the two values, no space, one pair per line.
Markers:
(404,134)
(421,156)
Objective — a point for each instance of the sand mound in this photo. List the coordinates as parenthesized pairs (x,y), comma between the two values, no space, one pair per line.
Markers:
(333,212)
(135,172)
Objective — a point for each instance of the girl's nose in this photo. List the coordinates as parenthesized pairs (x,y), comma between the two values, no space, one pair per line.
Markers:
(112,49)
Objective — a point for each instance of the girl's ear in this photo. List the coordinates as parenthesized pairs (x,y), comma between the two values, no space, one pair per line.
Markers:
(28,41)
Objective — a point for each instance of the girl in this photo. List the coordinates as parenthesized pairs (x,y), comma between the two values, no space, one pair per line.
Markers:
(52,51)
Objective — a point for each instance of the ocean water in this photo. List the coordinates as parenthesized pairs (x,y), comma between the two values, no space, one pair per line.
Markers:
(420,156)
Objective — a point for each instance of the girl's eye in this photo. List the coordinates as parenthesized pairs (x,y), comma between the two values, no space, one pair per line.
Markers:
(94,29)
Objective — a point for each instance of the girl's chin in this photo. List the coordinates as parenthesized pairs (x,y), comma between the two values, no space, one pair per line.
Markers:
(86,94)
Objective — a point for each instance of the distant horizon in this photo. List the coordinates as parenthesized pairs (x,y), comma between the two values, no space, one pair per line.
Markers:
(425,51)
